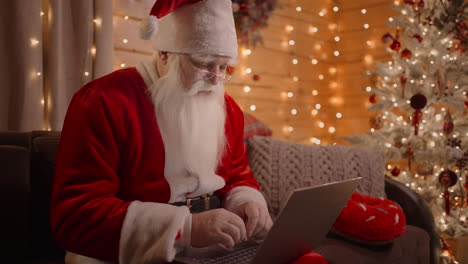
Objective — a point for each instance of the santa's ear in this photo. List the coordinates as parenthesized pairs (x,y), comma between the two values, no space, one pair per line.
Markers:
(163,57)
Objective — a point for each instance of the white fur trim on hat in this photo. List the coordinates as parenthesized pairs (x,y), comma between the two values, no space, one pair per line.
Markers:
(204,27)
(148,27)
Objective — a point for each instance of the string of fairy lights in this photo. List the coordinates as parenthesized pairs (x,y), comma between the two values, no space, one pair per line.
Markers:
(289,44)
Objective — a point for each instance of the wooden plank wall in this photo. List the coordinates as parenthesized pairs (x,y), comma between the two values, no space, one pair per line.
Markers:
(286,94)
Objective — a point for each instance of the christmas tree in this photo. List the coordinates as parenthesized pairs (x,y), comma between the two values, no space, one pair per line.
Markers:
(420,99)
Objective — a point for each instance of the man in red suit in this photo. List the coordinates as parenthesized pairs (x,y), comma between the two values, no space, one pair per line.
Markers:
(142,148)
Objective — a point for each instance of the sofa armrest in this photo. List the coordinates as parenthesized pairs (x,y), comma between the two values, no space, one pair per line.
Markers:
(417,213)
(14,194)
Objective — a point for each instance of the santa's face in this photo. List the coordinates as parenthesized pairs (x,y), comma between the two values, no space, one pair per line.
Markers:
(201,72)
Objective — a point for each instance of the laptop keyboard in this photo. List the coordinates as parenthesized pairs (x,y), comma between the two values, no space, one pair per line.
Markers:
(239,256)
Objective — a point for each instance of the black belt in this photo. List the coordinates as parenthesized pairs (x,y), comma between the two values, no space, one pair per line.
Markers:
(201,203)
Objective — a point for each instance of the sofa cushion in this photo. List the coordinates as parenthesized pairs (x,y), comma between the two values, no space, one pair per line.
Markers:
(280,167)
(254,127)
(412,247)
(43,154)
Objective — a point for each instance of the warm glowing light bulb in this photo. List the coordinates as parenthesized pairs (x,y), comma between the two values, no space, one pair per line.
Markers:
(42,101)
(317,46)
(322,12)
(293,111)
(93,51)
(366,26)
(335,8)
(289,28)
(333,85)
(390,19)
(298,9)
(332,26)
(321,124)
(247,89)
(331,130)
(290,94)
(295,61)
(248,70)
(332,70)
(253,107)
(42,13)
(337,38)
(314,92)
(122,65)
(125,41)
(126,17)
(86,73)
(247,52)
(336,53)
(363,11)
(34,42)
(295,78)
(318,106)
(97,21)
(38,74)
(314,112)
(292,42)
(368,89)
(339,115)
(321,77)
(313,29)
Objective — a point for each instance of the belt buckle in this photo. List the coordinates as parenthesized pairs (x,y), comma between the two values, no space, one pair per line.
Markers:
(205,197)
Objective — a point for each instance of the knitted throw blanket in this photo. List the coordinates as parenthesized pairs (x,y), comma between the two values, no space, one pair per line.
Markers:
(280,167)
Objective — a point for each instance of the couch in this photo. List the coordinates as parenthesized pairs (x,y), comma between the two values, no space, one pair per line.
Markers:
(27,162)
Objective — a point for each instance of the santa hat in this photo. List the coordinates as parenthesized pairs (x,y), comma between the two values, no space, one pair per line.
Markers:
(192,26)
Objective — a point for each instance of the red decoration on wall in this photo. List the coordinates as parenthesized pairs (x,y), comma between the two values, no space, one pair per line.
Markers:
(256,77)
(373,99)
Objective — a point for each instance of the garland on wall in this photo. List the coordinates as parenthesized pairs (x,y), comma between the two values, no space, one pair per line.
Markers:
(250,15)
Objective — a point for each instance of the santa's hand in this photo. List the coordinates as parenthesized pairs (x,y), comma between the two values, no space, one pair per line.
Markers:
(217,226)
(257,218)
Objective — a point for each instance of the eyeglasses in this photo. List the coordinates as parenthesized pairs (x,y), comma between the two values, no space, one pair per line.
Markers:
(205,74)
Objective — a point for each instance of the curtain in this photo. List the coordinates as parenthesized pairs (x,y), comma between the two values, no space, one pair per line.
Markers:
(50,48)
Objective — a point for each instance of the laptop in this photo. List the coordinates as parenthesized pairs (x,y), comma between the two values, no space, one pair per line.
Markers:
(300,227)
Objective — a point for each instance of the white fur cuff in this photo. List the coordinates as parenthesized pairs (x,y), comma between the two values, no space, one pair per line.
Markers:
(150,231)
(243,194)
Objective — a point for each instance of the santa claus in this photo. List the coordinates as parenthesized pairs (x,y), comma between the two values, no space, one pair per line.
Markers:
(151,161)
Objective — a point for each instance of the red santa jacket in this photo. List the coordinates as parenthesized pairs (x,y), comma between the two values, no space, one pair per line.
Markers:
(111,153)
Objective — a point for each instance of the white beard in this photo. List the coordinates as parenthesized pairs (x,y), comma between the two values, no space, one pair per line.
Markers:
(192,129)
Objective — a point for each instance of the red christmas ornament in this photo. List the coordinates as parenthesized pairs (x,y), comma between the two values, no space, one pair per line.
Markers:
(448,124)
(418,101)
(395,45)
(466,104)
(387,38)
(409,153)
(418,37)
(395,172)
(373,99)
(447,178)
(409,2)
(256,77)
(403,80)
(406,53)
